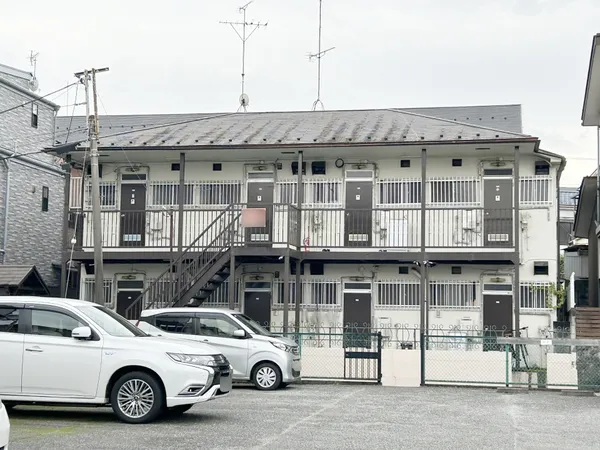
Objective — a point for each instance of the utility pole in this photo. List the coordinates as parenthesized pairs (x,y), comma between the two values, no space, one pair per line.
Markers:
(318,56)
(93,131)
(244,100)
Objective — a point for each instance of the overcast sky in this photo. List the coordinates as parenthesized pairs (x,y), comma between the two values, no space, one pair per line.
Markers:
(174,57)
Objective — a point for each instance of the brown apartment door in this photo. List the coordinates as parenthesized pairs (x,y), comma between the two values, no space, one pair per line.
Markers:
(498,212)
(260,195)
(358,223)
(133,215)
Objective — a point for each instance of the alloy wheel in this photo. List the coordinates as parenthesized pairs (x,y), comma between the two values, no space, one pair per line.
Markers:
(135,398)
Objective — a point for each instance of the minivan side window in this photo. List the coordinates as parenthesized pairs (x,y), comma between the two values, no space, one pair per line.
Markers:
(9,319)
(53,323)
(172,323)
(216,325)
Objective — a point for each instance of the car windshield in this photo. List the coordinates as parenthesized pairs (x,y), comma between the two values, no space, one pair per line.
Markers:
(111,322)
(254,326)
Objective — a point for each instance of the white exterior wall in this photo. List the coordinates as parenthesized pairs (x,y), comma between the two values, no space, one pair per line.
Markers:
(329,317)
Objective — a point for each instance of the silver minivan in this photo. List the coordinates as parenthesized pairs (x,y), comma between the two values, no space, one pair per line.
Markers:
(256,355)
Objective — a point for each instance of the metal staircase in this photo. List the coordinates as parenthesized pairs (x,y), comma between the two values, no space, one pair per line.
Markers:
(200,269)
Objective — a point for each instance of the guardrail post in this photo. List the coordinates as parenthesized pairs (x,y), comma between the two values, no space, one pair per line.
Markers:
(422,344)
(506,349)
(379,357)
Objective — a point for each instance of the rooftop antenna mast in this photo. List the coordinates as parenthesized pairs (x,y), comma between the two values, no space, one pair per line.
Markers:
(244,99)
(318,56)
(33,84)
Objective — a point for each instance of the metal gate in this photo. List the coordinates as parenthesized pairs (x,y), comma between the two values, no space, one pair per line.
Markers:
(339,356)
(362,362)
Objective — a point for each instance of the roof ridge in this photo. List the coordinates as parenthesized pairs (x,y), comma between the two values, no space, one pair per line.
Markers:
(455,122)
(9,70)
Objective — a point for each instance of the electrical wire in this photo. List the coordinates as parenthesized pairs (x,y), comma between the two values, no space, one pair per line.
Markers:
(111,124)
(37,99)
(74,239)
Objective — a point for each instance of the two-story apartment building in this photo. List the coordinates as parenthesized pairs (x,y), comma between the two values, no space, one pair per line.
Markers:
(31,183)
(337,208)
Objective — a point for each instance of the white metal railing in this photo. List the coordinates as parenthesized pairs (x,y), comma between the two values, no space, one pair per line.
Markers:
(108,195)
(536,295)
(89,294)
(537,190)
(316,293)
(453,294)
(398,192)
(403,294)
(463,191)
(75,192)
(318,192)
(397,294)
(196,193)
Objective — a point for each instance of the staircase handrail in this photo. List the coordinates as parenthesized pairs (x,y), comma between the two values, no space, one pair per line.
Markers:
(221,250)
(140,298)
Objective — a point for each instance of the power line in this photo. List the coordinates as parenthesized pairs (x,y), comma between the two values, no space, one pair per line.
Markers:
(17,155)
(36,99)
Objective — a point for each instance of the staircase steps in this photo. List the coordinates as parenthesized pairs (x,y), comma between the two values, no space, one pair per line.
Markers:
(587,322)
(202,272)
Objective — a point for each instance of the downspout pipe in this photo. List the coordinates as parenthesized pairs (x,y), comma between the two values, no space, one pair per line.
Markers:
(561,168)
(6,205)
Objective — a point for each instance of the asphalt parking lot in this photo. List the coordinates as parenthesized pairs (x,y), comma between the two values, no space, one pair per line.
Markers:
(331,417)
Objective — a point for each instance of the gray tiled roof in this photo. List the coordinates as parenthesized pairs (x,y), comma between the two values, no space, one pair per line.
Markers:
(298,128)
(500,117)
(14,275)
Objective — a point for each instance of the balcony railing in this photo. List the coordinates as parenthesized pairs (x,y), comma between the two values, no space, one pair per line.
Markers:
(319,193)
(154,229)
(322,229)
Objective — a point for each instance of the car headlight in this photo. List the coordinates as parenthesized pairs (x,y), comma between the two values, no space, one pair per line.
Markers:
(194,360)
(282,346)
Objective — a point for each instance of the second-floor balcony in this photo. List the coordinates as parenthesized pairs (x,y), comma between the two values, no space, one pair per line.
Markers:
(321,229)
(455,216)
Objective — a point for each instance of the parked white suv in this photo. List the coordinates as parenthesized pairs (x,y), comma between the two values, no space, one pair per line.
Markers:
(255,354)
(59,351)
(4,428)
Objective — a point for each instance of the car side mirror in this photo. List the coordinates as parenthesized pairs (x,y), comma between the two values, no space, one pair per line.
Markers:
(81,333)
(240,334)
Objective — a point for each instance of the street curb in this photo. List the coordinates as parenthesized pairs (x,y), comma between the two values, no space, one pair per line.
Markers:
(512,390)
(578,393)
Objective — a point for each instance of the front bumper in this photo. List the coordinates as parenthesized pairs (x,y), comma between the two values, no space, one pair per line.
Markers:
(292,369)
(4,429)
(217,385)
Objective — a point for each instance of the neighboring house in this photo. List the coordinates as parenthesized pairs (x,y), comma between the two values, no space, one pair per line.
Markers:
(185,184)
(568,203)
(32,184)
(587,215)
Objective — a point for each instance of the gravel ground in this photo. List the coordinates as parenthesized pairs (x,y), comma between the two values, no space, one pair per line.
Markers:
(331,417)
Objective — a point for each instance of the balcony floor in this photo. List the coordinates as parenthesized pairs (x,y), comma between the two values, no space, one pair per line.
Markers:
(459,255)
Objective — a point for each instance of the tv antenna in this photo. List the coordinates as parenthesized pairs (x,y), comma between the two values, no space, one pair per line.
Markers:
(244,99)
(33,83)
(318,57)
